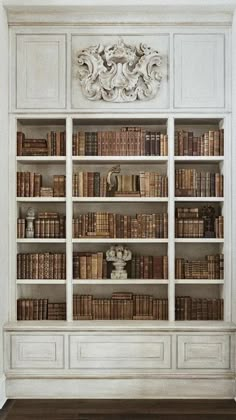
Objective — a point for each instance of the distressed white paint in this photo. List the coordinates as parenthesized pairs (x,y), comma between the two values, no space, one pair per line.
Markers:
(120,352)
(3,189)
(210,352)
(199,71)
(40,71)
(32,351)
(144,388)
(187,358)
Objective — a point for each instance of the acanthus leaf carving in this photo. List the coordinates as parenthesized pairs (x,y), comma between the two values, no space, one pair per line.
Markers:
(119,72)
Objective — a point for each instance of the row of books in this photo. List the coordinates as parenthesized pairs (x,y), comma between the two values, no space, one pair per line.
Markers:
(187,309)
(29,184)
(146,184)
(196,222)
(120,306)
(210,268)
(197,228)
(123,307)
(40,309)
(94,266)
(89,265)
(210,143)
(45,265)
(148,267)
(46,225)
(192,183)
(112,225)
(53,145)
(89,184)
(151,184)
(131,141)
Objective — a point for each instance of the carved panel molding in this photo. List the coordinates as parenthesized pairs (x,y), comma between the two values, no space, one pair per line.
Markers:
(119,72)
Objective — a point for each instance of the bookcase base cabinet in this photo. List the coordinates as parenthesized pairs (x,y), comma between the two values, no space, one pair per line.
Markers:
(115,362)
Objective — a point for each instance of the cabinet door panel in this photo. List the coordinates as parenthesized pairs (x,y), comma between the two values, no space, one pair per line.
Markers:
(37,351)
(120,352)
(199,71)
(203,352)
(40,71)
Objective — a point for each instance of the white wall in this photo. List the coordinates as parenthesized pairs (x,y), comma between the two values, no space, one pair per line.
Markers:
(3,187)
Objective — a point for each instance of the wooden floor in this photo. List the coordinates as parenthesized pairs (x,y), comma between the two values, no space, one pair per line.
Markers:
(119,409)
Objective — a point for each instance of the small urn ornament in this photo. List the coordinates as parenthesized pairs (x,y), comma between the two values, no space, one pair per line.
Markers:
(30,218)
(119,255)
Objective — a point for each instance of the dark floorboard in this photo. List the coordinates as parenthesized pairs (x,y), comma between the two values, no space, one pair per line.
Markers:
(119,410)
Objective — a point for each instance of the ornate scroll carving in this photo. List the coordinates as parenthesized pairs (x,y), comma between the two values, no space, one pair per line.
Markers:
(119,72)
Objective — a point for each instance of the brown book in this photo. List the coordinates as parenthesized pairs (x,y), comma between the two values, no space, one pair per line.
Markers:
(83,267)
(89,266)
(94,266)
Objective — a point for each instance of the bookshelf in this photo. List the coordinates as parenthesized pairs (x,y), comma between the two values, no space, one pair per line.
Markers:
(187,248)
(75,357)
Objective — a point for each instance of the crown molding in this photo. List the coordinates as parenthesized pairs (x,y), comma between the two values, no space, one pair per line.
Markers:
(117,16)
(84,12)
(203,5)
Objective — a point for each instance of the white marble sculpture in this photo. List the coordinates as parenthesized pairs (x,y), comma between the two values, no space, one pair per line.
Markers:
(119,255)
(30,217)
(119,72)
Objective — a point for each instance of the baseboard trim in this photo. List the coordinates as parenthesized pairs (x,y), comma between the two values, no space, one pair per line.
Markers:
(3,397)
(120,388)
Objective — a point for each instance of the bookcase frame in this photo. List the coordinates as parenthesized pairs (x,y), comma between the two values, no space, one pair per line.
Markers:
(69,201)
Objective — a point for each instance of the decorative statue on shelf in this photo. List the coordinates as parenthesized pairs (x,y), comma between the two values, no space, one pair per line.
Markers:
(30,217)
(112,181)
(119,255)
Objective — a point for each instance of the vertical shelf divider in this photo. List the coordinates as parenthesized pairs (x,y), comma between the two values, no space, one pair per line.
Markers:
(171,219)
(12,217)
(69,211)
(227,219)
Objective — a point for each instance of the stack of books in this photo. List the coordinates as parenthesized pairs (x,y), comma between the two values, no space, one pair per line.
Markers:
(53,145)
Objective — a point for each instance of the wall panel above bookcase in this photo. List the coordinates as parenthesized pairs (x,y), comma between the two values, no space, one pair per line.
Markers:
(182,87)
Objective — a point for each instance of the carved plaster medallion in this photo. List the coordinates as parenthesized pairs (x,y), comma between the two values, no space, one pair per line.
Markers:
(119,72)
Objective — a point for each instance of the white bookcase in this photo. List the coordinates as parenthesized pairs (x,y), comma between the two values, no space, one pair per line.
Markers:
(117,358)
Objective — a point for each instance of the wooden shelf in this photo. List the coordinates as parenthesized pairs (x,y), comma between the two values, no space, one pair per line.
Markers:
(119,240)
(41,159)
(41,240)
(200,240)
(198,281)
(117,282)
(41,199)
(123,159)
(120,199)
(40,281)
(199,159)
(200,199)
